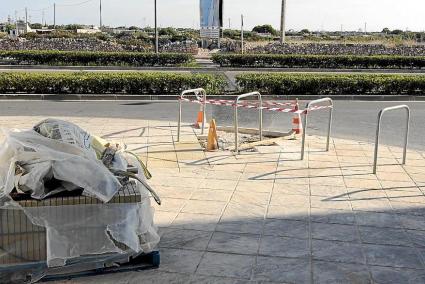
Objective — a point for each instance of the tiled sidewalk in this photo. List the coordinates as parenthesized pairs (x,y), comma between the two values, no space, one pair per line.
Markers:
(269,217)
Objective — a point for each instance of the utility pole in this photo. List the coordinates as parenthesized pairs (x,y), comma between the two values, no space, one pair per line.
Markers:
(282,22)
(26,20)
(156,30)
(365,27)
(54,15)
(242,43)
(42,18)
(229,23)
(100,13)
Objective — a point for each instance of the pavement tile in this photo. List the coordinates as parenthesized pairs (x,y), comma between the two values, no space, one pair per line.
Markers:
(245,197)
(283,270)
(203,279)
(184,239)
(332,216)
(218,175)
(328,191)
(174,192)
(284,247)
(219,184)
(227,265)
(384,236)
(337,273)
(412,222)
(394,256)
(202,222)
(391,275)
(164,218)
(234,243)
(292,189)
(293,213)
(255,186)
(286,228)
(410,208)
(248,226)
(375,219)
(329,203)
(334,232)
(211,195)
(170,204)
(338,251)
(151,276)
(204,207)
(417,237)
(181,261)
(244,210)
(372,205)
(290,201)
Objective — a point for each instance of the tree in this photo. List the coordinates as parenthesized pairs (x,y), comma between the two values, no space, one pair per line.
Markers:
(171,32)
(36,26)
(397,32)
(305,31)
(386,31)
(264,29)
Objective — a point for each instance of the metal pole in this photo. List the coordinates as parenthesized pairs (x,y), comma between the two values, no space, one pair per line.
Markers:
(204,109)
(156,30)
(378,133)
(406,137)
(100,13)
(305,122)
(242,44)
(235,118)
(282,22)
(26,20)
(54,15)
(179,123)
(328,141)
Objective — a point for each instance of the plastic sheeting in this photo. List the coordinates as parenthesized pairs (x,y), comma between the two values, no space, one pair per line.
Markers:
(81,230)
(63,152)
(42,158)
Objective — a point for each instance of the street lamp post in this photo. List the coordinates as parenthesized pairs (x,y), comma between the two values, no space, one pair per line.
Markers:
(282,22)
(156,29)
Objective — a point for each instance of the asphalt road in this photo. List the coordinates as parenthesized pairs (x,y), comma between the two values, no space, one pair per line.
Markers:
(352,119)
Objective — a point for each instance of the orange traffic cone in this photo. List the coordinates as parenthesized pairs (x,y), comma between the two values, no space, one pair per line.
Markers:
(297,126)
(212,142)
(200,118)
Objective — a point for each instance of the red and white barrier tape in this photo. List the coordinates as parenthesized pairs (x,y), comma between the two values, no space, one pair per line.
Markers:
(255,106)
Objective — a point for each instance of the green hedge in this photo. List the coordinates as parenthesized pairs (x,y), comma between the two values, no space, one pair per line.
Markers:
(319,61)
(332,84)
(108,83)
(89,58)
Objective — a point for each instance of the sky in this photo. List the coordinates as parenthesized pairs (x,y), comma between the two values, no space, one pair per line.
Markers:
(310,14)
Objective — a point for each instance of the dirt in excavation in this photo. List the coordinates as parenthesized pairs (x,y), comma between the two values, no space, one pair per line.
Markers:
(226,140)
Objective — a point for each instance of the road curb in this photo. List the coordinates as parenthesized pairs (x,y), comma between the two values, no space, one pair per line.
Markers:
(172,97)
(213,68)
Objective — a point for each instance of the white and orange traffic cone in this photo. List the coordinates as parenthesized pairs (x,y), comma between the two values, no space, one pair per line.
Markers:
(200,118)
(297,125)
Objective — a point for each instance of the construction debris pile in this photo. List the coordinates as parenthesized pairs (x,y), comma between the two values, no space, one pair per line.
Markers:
(91,197)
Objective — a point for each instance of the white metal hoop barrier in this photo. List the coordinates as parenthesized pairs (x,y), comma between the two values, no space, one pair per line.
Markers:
(313,105)
(284,107)
(259,106)
(201,100)
(378,132)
